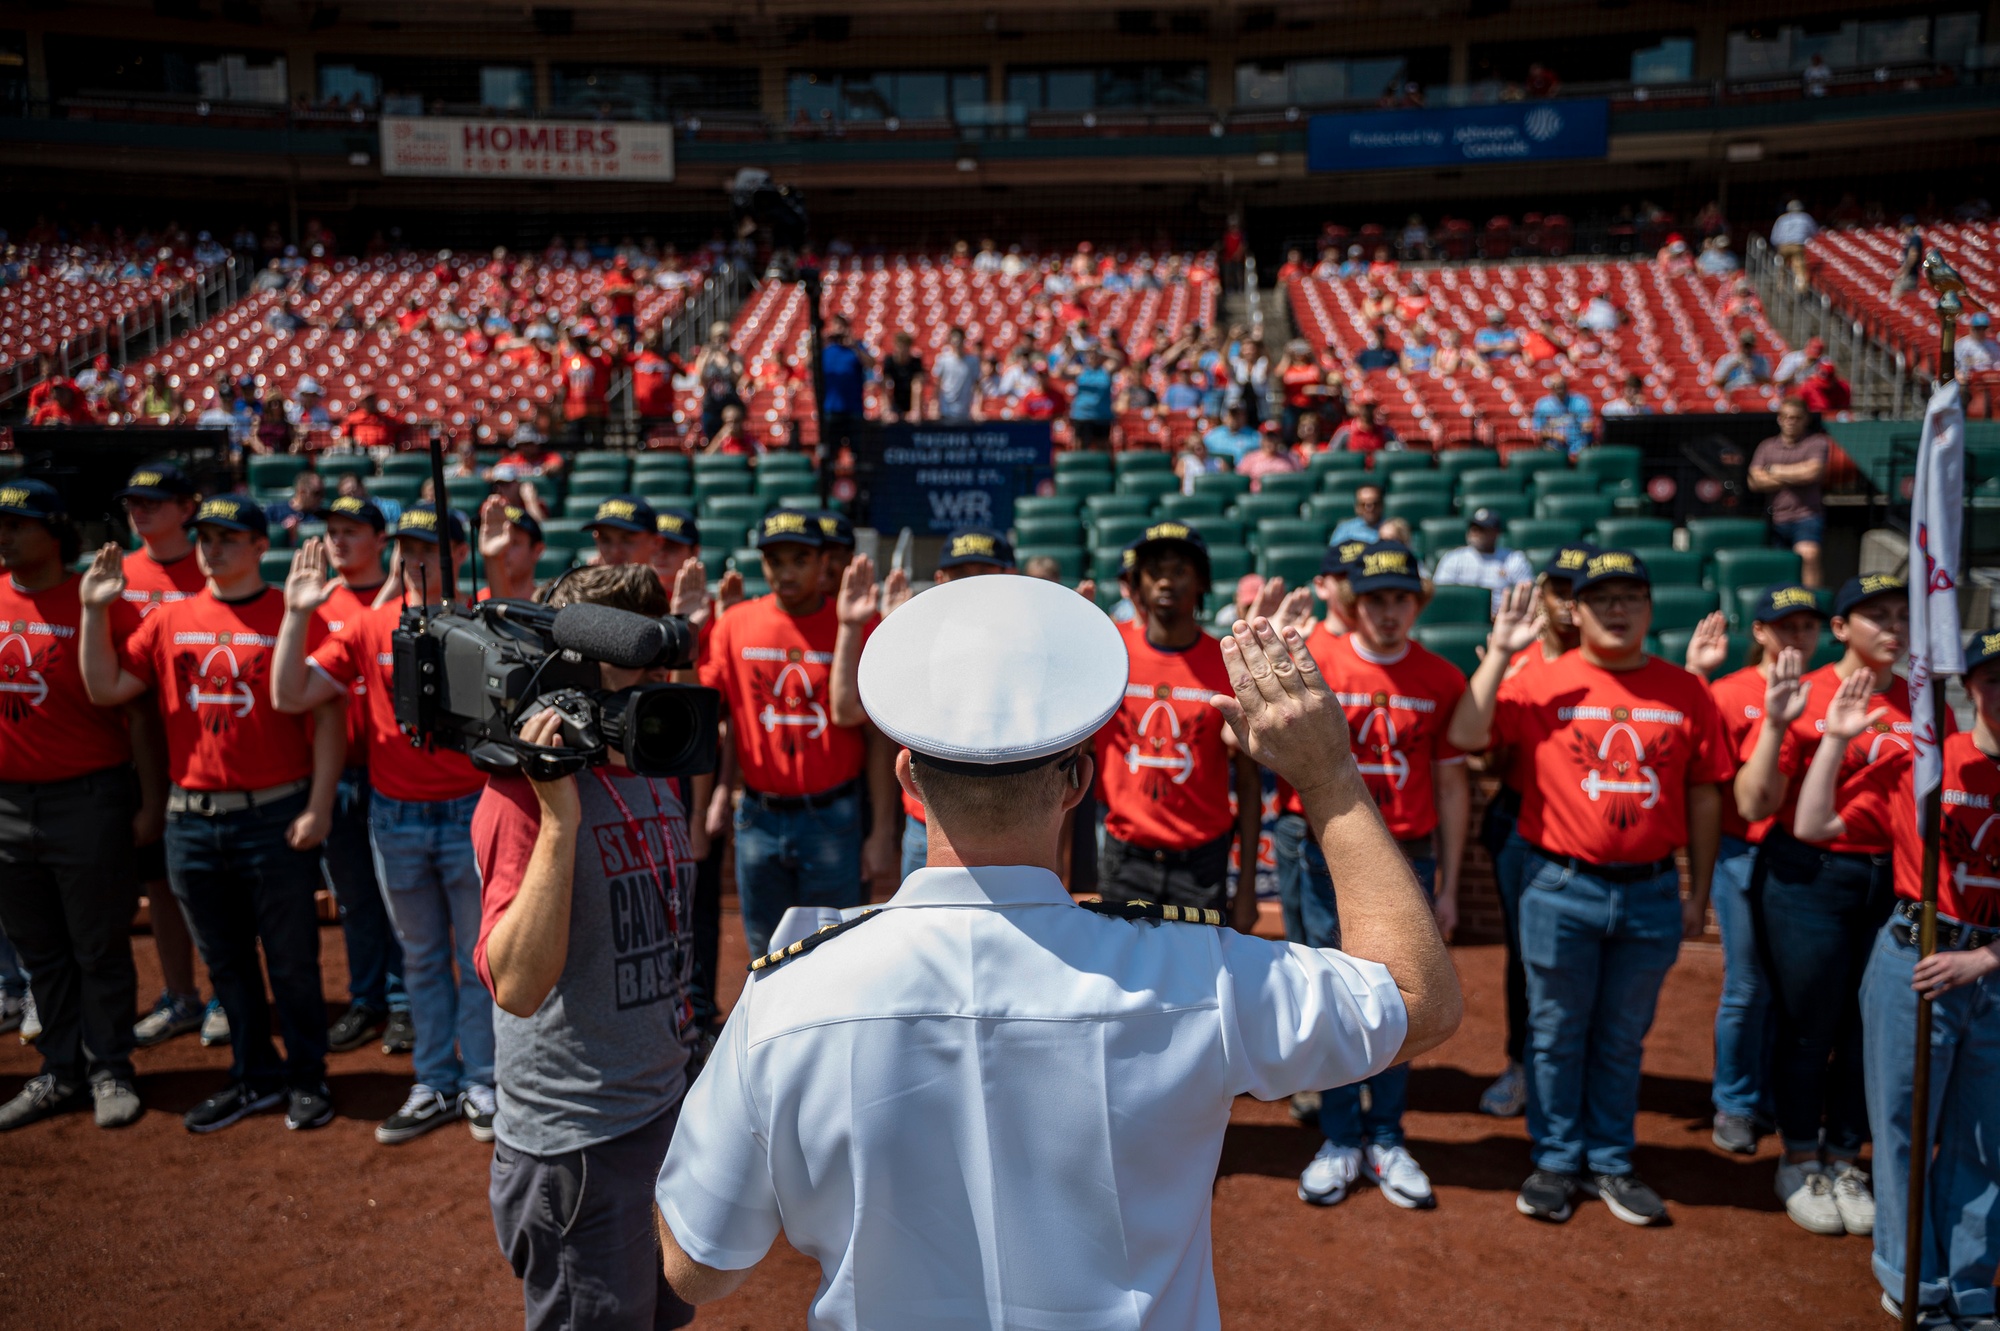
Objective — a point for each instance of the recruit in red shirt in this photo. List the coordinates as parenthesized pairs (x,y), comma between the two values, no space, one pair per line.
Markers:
(209,664)
(775,671)
(49,728)
(1162,769)
(1397,715)
(1610,755)
(342,605)
(149,583)
(1969,853)
(1739,698)
(361,657)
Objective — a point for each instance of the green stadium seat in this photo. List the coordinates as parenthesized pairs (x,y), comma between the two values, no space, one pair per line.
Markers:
(805,503)
(1458,461)
(1227,563)
(1189,506)
(1668,566)
(1347,482)
(1535,459)
(746,559)
(1611,464)
(1437,535)
(1414,508)
(1456,643)
(1757,566)
(1219,530)
(1225,483)
(1328,462)
(1105,562)
(722,483)
(1296,483)
(732,513)
(1388,464)
(1625,533)
(662,478)
(1707,535)
(1561,483)
(1331,509)
(617,465)
(1110,505)
(564,533)
(1524,532)
(402,489)
(662,499)
(1252,508)
(720,464)
(1151,484)
(1296,564)
(275,471)
(1083,482)
(1452,604)
(276,566)
(407,464)
(1538,556)
(1830,649)
(1141,459)
(1509,479)
(1080,461)
(596,485)
(1109,594)
(581,506)
(1508,507)
(1119,529)
(1070,557)
(553,561)
(1679,606)
(1587,510)
(1048,531)
(1047,506)
(1340,492)
(333,466)
(1290,531)
(1421,482)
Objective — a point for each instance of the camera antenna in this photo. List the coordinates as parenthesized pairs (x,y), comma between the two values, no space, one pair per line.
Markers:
(447,575)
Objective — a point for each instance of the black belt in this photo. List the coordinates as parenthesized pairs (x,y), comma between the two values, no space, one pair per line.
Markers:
(798,803)
(1951,935)
(1610,873)
(1172,859)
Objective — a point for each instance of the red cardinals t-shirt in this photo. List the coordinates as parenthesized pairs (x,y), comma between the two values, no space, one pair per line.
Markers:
(342,605)
(49,728)
(1519,769)
(149,583)
(1611,755)
(1162,769)
(1969,853)
(652,384)
(360,657)
(774,671)
(1739,698)
(1397,715)
(209,663)
(588,379)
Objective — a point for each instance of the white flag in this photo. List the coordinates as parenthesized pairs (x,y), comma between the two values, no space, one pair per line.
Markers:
(1936,511)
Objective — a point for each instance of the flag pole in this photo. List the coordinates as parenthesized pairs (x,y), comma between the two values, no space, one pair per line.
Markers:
(1947,284)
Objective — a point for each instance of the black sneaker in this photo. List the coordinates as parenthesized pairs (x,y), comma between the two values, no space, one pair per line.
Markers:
(1629,1199)
(423,1110)
(400,1035)
(354,1028)
(228,1105)
(43,1097)
(1548,1196)
(1928,1319)
(1736,1134)
(310,1107)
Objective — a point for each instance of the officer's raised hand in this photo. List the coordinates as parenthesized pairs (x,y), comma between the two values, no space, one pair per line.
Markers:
(307,586)
(104,582)
(1283,713)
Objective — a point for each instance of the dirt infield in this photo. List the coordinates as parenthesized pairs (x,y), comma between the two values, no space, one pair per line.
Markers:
(259,1227)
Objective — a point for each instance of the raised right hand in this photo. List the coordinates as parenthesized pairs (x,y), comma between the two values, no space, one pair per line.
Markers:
(493,533)
(307,586)
(1518,622)
(895,590)
(1848,714)
(860,600)
(1283,713)
(104,582)
(690,591)
(1785,694)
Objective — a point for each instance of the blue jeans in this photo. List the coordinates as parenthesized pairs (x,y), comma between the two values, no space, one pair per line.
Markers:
(374,959)
(1743,1031)
(1961,1242)
(795,857)
(1508,867)
(1309,914)
(1596,953)
(239,885)
(916,845)
(423,857)
(1817,913)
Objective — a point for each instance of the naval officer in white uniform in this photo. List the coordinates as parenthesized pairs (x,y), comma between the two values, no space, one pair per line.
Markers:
(984,1106)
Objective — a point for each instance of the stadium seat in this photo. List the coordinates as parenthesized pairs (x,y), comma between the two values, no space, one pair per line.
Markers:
(1296,564)
(1330,462)
(596,484)
(1451,604)
(1108,593)
(732,513)
(1189,507)
(1456,643)
(1507,507)
(1388,464)
(1141,459)
(1829,650)
(1561,483)
(663,499)
(1218,531)
(1118,529)
(615,465)
(1414,508)
(553,561)
(1151,484)
(1531,460)
(276,566)
(275,471)
(803,503)
(1298,484)
(1437,535)
(1421,482)
(1290,531)
(335,465)
(722,483)
(1048,531)
(1226,564)
(1587,510)
(1047,506)
(1505,480)
(407,464)
(1626,533)
(402,489)
(1707,535)
(1674,646)
(1611,464)
(1073,462)
(1667,566)
(1251,508)
(1225,483)
(1083,482)
(1116,505)
(1106,561)
(1679,606)
(1525,532)
(705,463)
(1332,509)
(1754,567)
(1070,557)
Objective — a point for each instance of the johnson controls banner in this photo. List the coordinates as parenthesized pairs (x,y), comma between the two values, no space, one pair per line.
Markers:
(526,149)
(1459,136)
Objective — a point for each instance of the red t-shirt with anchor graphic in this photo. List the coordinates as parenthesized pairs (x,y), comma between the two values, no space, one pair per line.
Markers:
(342,606)
(360,657)
(209,664)
(1612,754)
(1969,853)
(1397,714)
(1162,769)
(150,584)
(49,728)
(774,671)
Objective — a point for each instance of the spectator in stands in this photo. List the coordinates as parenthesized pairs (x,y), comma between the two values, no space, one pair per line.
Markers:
(1745,367)
(954,376)
(1789,235)
(1599,314)
(1271,457)
(1541,82)
(1562,418)
(1235,438)
(1631,400)
(1452,358)
(586,389)
(721,373)
(1909,258)
(1482,561)
(1796,364)
(102,387)
(306,503)
(1294,265)
(308,409)
(1496,341)
(1376,355)
(1789,467)
(729,437)
(1742,301)
(274,431)
(1976,351)
(1717,258)
(64,405)
(1301,384)
(843,366)
(1366,524)
(1419,352)
(1046,567)
(157,404)
(903,373)
(1090,399)
(1815,77)
(1354,265)
(1824,391)
(1363,431)
(653,370)
(1415,239)
(1674,257)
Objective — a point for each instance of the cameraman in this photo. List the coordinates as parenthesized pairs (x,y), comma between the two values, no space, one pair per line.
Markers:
(589,957)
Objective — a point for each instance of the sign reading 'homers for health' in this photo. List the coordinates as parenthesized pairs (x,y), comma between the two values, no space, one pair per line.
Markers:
(1459,136)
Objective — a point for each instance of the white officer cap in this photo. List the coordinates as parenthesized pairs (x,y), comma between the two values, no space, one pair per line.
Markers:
(993,674)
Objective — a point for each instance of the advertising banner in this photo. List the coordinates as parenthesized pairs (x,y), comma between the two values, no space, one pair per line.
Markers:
(526,149)
(1459,136)
(940,475)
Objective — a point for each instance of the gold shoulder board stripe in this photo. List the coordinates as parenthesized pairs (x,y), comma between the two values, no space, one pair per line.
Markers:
(809,942)
(1148,910)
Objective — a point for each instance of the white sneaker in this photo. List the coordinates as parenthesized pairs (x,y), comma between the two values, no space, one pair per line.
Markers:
(214,1025)
(1807,1192)
(1508,1095)
(1853,1197)
(1330,1174)
(31,1020)
(1401,1178)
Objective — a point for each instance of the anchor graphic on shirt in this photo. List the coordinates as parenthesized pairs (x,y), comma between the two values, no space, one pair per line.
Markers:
(1394,763)
(241,698)
(1961,876)
(1596,784)
(23,679)
(1180,762)
(1885,735)
(815,721)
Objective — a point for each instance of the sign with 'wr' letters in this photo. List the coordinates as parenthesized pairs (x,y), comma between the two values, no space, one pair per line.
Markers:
(933,478)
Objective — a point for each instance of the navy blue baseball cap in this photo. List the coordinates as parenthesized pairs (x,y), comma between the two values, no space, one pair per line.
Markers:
(526,521)
(420,522)
(358,508)
(1785,598)
(1609,566)
(233,513)
(1341,557)
(976,545)
(788,526)
(158,480)
(1386,566)
(835,529)
(1568,561)
(1486,518)
(677,524)
(1984,649)
(1177,536)
(1866,588)
(625,513)
(31,499)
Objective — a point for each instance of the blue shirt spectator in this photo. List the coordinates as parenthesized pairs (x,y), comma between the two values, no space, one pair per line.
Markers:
(1496,341)
(1366,524)
(1562,418)
(1091,398)
(842,366)
(1482,561)
(1233,438)
(1376,355)
(1744,367)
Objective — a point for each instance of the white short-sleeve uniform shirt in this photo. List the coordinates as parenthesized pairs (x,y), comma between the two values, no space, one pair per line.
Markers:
(986,1107)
